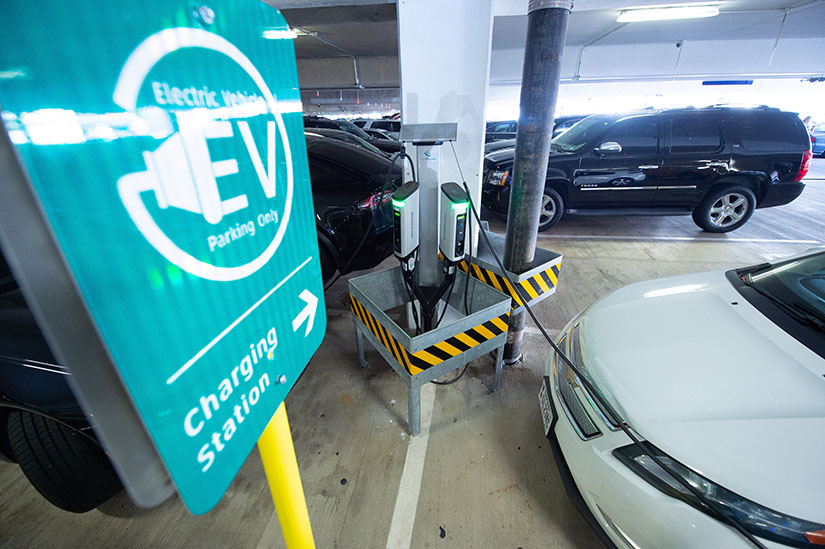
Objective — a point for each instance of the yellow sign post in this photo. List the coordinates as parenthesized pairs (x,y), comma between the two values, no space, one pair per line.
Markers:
(281,468)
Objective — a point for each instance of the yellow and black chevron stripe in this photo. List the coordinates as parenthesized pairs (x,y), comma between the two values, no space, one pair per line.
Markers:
(533,287)
(435,354)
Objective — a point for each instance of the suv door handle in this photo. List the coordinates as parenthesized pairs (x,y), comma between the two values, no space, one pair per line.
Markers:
(716,164)
(649,167)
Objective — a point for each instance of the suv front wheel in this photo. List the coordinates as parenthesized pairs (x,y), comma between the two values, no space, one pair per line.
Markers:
(725,209)
(552,208)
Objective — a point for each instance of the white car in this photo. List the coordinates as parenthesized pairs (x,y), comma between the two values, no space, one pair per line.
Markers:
(722,375)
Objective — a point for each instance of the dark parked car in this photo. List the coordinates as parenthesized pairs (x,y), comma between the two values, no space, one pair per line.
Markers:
(42,427)
(503,129)
(491,146)
(347,137)
(346,190)
(564,123)
(507,129)
(818,140)
(379,134)
(386,145)
(718,164)
(392,127)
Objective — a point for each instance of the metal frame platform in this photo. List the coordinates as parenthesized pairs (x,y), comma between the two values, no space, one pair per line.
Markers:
(422,358)
(537,283)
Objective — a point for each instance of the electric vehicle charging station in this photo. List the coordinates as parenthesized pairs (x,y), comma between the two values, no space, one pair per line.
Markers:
(430,227)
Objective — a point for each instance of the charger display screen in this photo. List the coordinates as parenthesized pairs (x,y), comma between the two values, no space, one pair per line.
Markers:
(459,234)
(396,230)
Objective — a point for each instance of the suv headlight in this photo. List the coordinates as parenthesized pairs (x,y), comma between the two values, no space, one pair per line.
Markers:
(498,178)
(760,521)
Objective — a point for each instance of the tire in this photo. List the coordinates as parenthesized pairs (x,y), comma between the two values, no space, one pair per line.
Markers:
(725,209)
(66,467)
(552,208)
(328,266)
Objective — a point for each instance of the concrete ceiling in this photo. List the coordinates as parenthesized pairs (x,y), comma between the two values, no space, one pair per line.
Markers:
(371,30)
(351,58)
(738,20)
(357,30)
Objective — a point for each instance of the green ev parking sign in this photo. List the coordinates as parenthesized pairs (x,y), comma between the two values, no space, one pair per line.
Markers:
(164,143)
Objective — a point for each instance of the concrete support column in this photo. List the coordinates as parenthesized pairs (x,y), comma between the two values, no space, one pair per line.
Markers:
(444,56)
(546,32)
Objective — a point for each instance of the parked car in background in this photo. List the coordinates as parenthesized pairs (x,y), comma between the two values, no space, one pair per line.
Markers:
(378,134)
(346,137)
(564,123)
(721,375)
(503,129)
(718,164)
(507,129)
(386,145)
(818,139)
(42,427)
(392,127)
(347,184)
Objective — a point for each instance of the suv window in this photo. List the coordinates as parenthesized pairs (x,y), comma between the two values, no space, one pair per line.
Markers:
(694,134)
(638,135)
(502,127)
(768,132)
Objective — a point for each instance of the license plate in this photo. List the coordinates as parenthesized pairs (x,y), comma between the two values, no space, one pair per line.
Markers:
(544,403)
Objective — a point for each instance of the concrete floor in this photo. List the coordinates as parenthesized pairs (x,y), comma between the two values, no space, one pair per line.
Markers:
(487,475)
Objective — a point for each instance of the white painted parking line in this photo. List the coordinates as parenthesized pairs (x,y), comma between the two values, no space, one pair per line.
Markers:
(535,331)
(677,238)
(403,518)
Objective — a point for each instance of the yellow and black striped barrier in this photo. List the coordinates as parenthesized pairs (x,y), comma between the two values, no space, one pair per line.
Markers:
(435,354)
(534,287)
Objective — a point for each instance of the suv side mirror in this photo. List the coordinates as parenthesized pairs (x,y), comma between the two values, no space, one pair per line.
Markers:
(608,147)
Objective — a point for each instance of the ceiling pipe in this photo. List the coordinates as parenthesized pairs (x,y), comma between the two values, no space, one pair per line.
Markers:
(778,36)
(339,48)
(599,38)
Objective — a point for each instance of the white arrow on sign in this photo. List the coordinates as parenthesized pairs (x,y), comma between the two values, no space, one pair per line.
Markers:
(308,312)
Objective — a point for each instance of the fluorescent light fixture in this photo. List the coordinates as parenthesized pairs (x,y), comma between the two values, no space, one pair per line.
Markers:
(279,34)
(664,13)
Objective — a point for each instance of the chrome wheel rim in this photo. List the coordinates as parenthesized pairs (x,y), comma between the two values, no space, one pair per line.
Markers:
(728,210)
(548,210)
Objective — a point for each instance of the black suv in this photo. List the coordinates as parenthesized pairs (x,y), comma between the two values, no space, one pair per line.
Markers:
(716,163)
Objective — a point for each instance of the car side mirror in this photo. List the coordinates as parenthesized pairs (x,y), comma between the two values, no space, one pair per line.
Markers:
(608,147)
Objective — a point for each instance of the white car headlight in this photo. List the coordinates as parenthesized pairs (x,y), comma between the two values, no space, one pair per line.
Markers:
(574,394)
(759,521)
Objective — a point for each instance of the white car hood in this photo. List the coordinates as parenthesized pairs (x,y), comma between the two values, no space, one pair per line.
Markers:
(715,385)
